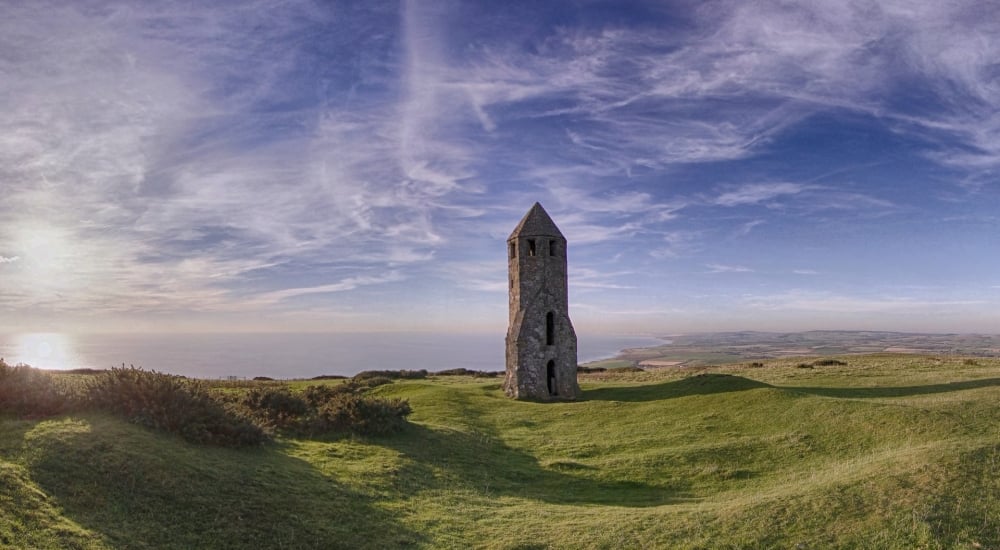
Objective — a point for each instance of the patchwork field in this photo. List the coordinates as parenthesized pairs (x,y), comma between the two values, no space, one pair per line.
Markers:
(886,451)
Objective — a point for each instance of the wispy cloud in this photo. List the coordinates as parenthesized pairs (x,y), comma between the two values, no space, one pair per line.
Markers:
(836,303)
(758,193)
(211,154)
(723,268)
(349,283)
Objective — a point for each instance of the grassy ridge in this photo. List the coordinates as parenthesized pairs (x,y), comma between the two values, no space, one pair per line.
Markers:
(885,452)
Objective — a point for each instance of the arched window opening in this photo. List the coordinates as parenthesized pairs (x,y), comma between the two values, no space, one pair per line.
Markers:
(552,248)
(550,328)
(550,376)
(531,247)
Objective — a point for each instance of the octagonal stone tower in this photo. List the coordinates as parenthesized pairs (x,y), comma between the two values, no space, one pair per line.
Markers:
(541,342)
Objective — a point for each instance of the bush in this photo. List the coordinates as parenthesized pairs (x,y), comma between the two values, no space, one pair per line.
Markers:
(274,407)
(187,408)
(170,404)
(373,382)
(629,369)
(454,372)
(756,365)
(829,363)
(586,370)
(487,374)
(362,415)
(322,410)
(26,391)
(804,366)
(394,374)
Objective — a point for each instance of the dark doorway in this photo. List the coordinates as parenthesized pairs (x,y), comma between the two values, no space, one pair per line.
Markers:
(550,328)
(550,375)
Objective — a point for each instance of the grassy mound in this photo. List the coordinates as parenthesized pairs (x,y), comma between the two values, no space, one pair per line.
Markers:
(885,452)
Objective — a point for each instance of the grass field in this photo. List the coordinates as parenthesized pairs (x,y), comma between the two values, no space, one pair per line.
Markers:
(887,451)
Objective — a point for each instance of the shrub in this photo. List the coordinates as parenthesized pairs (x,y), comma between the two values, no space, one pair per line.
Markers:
(487,374)
(829,363)
(629,369)
(362,415)
(26,391)
(756,365)
(317,396)
(274,407)
(590,369)
(263,379)
(373,382)
(468,372)
(394,374)
(454,372)
(170,404)
(804,366)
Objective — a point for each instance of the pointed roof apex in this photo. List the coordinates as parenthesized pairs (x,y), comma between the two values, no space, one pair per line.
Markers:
(536,223)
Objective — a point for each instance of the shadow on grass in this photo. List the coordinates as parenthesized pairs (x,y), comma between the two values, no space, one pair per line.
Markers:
(139,489)
(701,384)
(711,383)
(897,391)
(479,462)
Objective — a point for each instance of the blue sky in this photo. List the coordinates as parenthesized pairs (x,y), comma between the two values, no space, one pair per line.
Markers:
(296,165)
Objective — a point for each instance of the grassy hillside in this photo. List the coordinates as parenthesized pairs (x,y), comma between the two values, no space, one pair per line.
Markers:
(884,452)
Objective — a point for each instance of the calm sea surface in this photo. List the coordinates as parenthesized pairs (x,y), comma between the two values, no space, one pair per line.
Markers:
(282,355)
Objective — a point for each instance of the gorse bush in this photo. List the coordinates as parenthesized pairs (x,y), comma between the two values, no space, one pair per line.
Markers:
(362,415)
(393,374)
(323,410)
(30,392)
(171,404)
(274,408)
(468,372)
(189,409)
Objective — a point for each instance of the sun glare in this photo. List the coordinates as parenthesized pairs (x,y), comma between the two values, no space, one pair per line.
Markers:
(45,253)
(45,350)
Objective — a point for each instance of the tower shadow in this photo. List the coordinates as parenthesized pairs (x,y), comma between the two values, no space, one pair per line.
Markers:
(701,384)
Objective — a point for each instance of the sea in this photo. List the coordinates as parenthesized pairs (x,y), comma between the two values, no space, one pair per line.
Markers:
(283,355)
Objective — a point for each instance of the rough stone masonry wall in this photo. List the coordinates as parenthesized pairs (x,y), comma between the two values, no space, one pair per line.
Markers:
(538,286)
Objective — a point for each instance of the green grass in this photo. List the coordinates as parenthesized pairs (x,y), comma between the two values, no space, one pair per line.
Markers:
(886,452)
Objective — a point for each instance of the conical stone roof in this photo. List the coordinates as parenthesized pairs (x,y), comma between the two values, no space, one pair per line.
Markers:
(536,223)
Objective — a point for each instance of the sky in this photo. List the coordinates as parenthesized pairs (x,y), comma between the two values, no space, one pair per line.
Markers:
(354,166)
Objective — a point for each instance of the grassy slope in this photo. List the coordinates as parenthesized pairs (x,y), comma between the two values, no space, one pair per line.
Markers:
(888,452)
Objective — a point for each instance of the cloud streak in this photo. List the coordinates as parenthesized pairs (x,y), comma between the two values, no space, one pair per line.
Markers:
(172,159)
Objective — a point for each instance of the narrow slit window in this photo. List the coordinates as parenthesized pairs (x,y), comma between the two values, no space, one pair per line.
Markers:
(550,377)
(552,248)
(550,329)
(531,247)
(513,250)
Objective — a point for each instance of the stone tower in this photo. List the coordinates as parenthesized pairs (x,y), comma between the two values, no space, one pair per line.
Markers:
(541,342)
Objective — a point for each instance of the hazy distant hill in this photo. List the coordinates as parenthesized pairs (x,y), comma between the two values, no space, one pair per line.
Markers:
(734,347)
